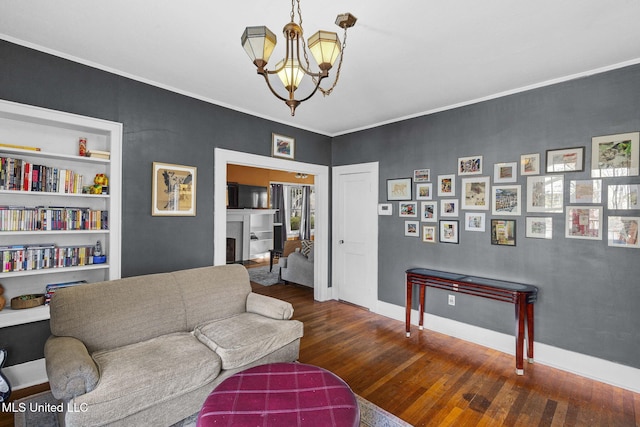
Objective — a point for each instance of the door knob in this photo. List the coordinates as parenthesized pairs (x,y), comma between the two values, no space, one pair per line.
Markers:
(341,242)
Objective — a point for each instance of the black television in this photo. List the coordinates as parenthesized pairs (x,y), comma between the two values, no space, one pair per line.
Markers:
(241,196)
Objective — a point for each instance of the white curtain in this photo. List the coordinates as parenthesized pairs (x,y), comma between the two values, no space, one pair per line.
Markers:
(287,208)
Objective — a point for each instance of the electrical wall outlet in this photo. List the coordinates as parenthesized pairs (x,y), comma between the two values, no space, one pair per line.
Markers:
(452,300)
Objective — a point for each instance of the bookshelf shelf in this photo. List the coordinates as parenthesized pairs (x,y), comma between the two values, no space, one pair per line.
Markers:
(11,317)
(57,134)
(49,194)
(51,232)
(57,270)
(17,152)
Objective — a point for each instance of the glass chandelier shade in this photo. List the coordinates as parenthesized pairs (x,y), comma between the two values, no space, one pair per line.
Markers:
(325,48)
(259,43)
(290,74)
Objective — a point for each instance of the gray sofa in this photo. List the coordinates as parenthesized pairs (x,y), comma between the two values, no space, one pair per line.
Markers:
(297,267)
(147,350)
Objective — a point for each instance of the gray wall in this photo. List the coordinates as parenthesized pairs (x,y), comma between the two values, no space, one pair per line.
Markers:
(159,125)
(589,292)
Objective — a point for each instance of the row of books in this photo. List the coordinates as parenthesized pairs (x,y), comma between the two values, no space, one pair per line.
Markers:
(21,175)
(39,218)
(51,288)
(41,256)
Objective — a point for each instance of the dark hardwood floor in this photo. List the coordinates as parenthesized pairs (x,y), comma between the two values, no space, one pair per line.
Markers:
(432,379)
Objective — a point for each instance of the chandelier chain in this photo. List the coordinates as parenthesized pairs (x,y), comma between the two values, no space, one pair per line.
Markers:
(327,92)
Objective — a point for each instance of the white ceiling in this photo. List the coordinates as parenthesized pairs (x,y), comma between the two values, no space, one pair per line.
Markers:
(403,58)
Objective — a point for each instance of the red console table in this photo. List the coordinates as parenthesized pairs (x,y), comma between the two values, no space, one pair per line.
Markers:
(523,296)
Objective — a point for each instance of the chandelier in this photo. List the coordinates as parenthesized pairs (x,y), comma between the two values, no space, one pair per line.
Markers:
(325,47)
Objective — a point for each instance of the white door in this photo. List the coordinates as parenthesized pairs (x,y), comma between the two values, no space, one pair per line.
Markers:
(355,234)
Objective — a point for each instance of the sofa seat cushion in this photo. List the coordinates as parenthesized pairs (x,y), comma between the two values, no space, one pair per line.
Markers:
(246,337)
(144,374)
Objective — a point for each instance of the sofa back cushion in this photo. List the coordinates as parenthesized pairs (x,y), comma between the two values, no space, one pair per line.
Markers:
(115,313)
(210,293)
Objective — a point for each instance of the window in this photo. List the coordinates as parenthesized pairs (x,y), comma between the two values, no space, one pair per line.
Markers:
(293,203)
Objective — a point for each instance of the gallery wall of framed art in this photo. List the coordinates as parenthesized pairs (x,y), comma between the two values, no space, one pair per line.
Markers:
(545,191)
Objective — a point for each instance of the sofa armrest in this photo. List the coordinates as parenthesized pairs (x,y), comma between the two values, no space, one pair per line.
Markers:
(71,370)
(269,307)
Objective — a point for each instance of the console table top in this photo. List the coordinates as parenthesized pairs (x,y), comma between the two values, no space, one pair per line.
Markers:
(475,280)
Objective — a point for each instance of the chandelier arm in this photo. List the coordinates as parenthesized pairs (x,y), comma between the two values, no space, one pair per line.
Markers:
(266,73)
(314,89)
(273,91)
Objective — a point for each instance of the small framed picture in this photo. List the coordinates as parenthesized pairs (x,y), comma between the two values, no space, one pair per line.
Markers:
(530,164)
(623,197)
(585,191)
(622,231)
(545,193)
(385,209)
(408,209)
(411,228)
(475,193)
(282,146)
(565,160)
(429,233)
(449,207)
(474,221)
(506,200)
(503,232)
(173,190)
(584,222)
(539,227)
(446,185)
(422,175)
(449,231)
(615,155)
(399,189)
(505,172)
(424,191)
(470,165)
(429,212)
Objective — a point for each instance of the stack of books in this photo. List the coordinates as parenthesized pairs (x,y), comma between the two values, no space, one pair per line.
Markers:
(99,154)
(51,289)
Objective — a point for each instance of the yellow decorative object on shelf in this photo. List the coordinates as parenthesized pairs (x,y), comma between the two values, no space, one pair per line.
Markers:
(19,147)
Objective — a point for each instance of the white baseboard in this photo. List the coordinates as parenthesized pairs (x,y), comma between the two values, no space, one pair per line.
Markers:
(26,374)
(591,367)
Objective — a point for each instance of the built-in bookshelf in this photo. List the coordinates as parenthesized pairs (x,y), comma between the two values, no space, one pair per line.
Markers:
(51,214)
(255,231)
(261,238)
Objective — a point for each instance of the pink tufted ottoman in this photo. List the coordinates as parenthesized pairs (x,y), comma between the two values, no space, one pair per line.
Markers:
(281,394)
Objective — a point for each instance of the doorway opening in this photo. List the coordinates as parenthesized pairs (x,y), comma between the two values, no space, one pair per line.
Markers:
(224,157)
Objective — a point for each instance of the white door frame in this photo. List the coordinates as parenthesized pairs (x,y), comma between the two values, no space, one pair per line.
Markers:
(223,157)
(370,209)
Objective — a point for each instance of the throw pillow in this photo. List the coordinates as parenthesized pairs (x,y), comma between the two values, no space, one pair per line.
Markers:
(305,247)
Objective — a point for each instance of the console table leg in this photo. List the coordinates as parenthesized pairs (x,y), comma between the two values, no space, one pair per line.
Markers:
(530,332)
(520,318)
(423,290)
(408,309)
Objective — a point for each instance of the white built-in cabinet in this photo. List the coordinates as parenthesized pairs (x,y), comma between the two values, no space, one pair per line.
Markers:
(254,232)
(57,136)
